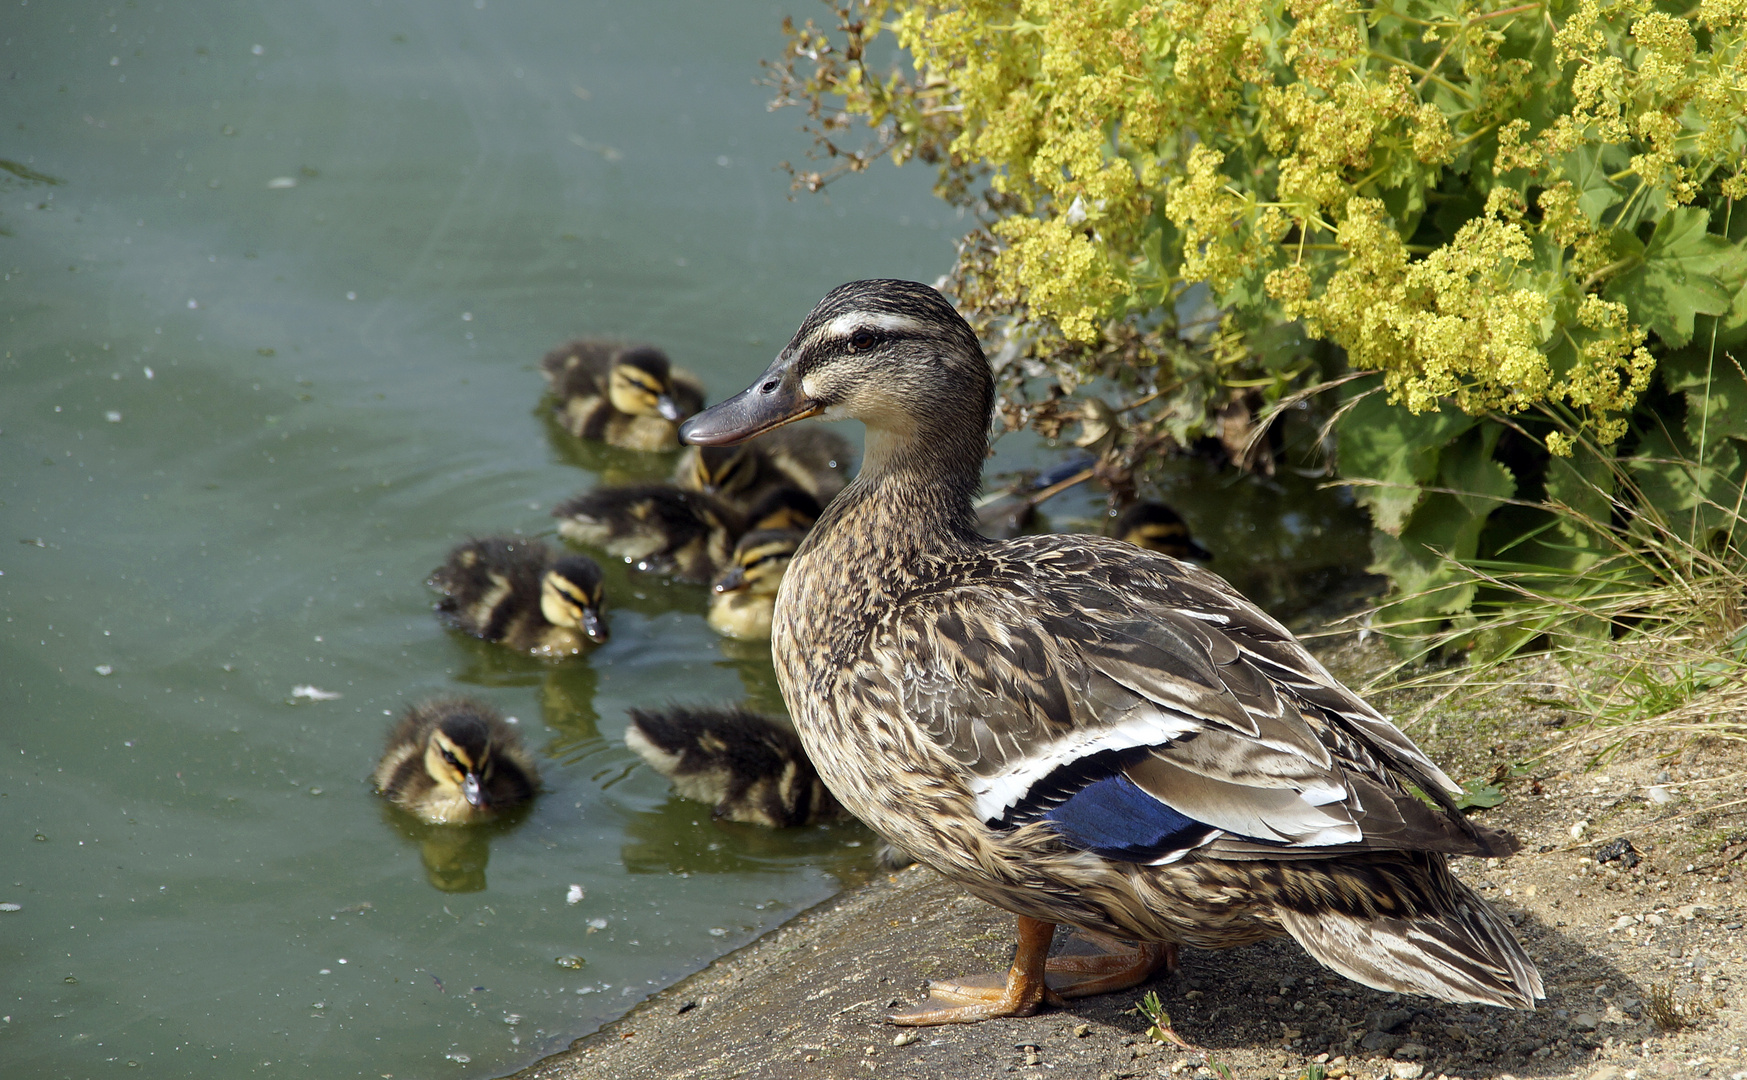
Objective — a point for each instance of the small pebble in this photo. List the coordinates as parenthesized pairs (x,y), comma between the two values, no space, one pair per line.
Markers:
(903,1038)
(1082,1030)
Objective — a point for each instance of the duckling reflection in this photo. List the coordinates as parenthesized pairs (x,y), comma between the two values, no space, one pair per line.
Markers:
(750,767)
(519,592)
(454,857)
(1157,527)
(628,396)
(567,707)
(454,761)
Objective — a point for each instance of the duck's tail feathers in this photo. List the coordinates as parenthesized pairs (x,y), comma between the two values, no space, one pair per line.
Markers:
(1465,952)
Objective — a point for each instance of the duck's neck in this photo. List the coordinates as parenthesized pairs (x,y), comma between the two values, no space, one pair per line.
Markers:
(913,494)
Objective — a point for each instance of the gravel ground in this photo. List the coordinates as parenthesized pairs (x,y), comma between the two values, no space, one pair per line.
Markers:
(1642,953)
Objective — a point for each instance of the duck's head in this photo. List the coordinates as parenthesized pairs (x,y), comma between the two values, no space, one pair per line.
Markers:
(759,561)
(1156,527)
(640,383)
(724,470)
(570,595)
(892,354)
(459,758)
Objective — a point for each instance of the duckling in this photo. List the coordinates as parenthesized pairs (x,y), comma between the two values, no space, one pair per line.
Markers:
(746,594)
(786,507)
(816,461)
(453,761)
(749,765)
(657,527)
(517,591)
(629,396)
(1079,730)
(1156,527)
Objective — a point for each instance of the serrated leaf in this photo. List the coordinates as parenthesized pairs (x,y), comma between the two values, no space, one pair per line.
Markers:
(1477,794)
(1397,450)
(1695,499)
(1716,393)
(1588,169)
(1682,274)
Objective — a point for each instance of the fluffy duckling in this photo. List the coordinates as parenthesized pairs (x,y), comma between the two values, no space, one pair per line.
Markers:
(454,761)
(656,527)
(814,460)
(1156,527)
(629,396)
(786,507)
(745,596)
(517,591)
(750,766)
(1082,731)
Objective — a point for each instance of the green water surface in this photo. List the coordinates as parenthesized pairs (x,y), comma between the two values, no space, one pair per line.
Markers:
(276,280)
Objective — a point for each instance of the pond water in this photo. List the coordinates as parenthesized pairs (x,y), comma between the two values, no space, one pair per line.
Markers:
(276,281)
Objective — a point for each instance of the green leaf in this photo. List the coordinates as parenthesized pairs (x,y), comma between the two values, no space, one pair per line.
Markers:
(1694,499)
(1716,393)
(1396,450)
(1682,273)
(1587,167)
(1477,794)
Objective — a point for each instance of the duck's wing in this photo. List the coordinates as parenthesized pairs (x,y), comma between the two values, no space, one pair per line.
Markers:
(1147,710)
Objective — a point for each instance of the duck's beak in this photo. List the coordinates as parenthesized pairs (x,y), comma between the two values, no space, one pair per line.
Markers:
(593,625)
(669,408)
(470,791)
(733,581)
(774,400)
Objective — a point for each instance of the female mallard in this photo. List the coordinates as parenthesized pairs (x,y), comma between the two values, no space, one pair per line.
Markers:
(1156,527)
(749,766)
(813,460)
(745,596)
(624,395)
(454,761)
(1081,731)
(517,591)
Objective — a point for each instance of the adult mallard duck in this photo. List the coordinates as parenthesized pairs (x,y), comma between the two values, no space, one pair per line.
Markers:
(749,766)
(454,761)
(811,459)
(623,395)
(1081,731)
(518,591)
(1156,527)
(745,596)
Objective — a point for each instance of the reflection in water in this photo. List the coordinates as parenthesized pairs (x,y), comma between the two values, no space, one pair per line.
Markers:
(567,706)
(751,661)
(609,465)
(681,838)
(454,856)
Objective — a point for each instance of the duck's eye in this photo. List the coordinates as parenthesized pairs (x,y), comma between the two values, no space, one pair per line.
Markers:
(768,388)
(861,339)
(450,758)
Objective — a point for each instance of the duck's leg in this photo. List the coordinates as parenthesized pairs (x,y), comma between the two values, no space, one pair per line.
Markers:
(1118,967)
(966,1001)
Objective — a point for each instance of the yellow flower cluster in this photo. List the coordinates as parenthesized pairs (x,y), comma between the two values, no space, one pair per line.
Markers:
(1444,190)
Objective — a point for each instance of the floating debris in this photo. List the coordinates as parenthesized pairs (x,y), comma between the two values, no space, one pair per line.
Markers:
(575,894)
(104,669)
(572,963)
(313,693)
(280,182)
(9,906)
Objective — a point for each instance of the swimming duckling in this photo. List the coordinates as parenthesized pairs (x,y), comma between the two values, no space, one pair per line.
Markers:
(749,765)
(657,527)
(786,507)
(745,595)
(516,591)
(815,460)
(1156,527)
(453,761)
(629,396)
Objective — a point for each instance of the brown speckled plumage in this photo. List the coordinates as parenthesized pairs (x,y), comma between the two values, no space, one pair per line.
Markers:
(962,695)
